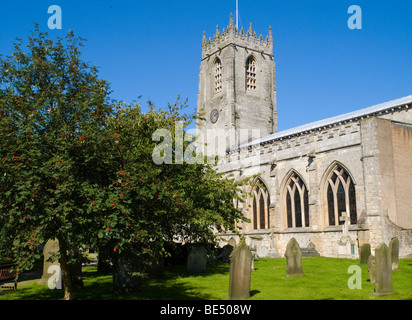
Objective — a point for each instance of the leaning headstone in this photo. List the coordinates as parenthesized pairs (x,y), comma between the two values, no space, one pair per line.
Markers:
(293,256)
(383,265)
(394,247)
(365,252)
(196,260)
(240,272)
(371,268)
(50,255)
(226,252)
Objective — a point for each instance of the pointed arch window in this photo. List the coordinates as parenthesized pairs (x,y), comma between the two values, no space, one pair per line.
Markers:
(260,206)
(297,203)
(341,196)
(251,74)
(218,75)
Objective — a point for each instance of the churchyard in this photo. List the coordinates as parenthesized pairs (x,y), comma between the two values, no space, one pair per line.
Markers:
(290,278)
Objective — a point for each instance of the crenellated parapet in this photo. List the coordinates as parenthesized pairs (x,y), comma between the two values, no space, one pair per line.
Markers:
(231,35)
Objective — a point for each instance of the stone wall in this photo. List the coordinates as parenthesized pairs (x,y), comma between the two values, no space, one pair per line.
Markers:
(375,161)
(402,155)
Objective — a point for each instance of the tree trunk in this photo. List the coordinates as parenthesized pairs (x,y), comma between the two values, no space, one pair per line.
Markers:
(65,270)
(76,275)
(104,263)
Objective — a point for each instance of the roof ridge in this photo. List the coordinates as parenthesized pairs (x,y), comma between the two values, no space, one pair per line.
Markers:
(332,120)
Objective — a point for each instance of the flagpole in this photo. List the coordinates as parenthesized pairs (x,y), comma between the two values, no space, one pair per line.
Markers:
(237,15)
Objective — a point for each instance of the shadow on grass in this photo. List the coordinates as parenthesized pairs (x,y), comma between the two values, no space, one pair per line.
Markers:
(33,292)
(254,292)
(212,269)
(99,286)
(151,289)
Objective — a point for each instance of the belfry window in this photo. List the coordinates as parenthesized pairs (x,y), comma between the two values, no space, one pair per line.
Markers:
(251,74)
(260,206)
(341,196)
(218,75)
(297,203)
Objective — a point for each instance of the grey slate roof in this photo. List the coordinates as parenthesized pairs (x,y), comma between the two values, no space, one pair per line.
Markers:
(333,120)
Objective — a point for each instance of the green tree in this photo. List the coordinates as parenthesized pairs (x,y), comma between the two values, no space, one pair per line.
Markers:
(53,110)
(155,204)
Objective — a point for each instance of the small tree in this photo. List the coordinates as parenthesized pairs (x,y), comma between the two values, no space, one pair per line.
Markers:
(53,110)
(153,204)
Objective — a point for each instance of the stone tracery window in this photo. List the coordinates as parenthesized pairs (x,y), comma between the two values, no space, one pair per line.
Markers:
(341,196)
(260,206)
(251,74)
(297,203)
(218,75)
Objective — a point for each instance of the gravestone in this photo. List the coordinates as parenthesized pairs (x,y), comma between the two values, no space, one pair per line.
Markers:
(50,254)
(226,251)
(271,253)
(383,265)
(254,256)
(240,271)
(76,275)
(125,279)
(232,242)
(310,251)
(152,264)
(293,256)
(365,252)
(196,260)
(371,268)
(394,247)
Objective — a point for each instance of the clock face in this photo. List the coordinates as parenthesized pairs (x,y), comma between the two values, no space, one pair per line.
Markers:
(214,115)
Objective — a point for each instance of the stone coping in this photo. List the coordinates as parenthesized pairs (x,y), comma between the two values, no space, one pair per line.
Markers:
(294,230)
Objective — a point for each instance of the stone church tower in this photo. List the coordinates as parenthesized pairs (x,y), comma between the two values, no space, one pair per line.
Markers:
(237,88)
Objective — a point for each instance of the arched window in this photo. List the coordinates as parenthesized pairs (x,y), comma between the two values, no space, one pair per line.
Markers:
(218,75)
(341,196)
(251,74)
(297,202)
(260,206)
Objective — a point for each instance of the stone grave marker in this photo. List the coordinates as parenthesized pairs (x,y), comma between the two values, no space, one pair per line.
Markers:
(196,260)
(232,242)
(125,279)
(346,247)
(394,247)
(365,252)
(152,264)
(383,265)
(371,268)
(293,256)
(50,251)
(240,271)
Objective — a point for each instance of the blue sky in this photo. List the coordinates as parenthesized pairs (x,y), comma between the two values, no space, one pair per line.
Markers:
(153,48)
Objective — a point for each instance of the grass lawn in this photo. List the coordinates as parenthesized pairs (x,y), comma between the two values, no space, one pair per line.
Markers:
(325,278)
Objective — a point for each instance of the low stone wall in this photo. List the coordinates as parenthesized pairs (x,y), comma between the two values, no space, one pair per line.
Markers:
(263,242)
(325,242)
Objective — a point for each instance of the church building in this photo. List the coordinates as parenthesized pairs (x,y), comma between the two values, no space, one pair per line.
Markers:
(333,185)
